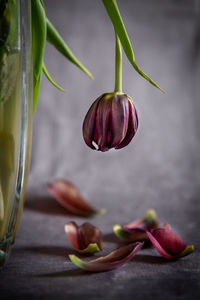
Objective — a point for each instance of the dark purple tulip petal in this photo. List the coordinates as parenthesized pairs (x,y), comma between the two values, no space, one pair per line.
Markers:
(85,238)
(136,230)
(120,118)
(103,134)
(132,126)
(89,124)
(70,198)
(168,243)
(111,122)
(111,261)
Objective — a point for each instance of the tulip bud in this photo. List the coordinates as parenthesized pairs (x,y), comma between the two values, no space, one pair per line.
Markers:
(111,122)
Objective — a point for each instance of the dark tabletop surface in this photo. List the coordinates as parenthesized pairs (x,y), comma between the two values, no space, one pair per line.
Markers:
(160,169)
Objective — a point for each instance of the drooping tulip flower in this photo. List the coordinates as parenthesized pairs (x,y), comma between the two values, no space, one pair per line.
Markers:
(111,122)
(85,238)
(112,119)
(168,243)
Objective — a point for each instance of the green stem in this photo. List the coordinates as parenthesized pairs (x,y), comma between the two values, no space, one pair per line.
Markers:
(118,66)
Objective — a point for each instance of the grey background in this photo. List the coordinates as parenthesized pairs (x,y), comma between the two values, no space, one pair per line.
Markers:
(160,169)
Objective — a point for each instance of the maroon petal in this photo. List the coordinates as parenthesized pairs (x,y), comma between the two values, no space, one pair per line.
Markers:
(128,235)
(89,124)
(85,238)
(136,230)
(132,126)
(71,230)
(111,261)
(158,246)
(103,134)
(120,118)
(90,234)
(70,198)
(168,243)
(111,122)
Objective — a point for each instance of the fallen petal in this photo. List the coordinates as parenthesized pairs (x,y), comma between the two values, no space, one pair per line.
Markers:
(136,230)
(70,198)
(168,243)
(124,233)
(111,261)
(85,238)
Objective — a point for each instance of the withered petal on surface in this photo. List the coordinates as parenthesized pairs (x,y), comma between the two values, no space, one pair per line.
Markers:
(136,230)
(68,196)
(168,243)
(85,238)
(111,261)
(126,235)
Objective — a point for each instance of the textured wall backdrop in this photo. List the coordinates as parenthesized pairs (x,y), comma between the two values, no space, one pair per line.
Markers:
(160,169)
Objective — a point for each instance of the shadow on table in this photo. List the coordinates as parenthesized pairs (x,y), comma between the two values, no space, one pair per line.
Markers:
(112,238)
(46,205)
(146,259)
(67,273)
(150,259)
(49,250)
(54,251)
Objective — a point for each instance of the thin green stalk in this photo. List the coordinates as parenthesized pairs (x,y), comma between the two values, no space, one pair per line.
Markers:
(118,65)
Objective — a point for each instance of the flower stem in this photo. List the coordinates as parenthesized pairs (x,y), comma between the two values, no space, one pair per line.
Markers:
(118,66)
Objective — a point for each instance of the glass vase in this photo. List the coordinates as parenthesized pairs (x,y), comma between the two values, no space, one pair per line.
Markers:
(15,116)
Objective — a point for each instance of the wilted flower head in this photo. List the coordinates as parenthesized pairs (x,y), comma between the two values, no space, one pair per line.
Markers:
(111,122)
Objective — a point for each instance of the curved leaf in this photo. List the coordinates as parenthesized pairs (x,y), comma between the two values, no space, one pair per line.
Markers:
(38,45)
(45,71)
(115,17)
(54,38)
